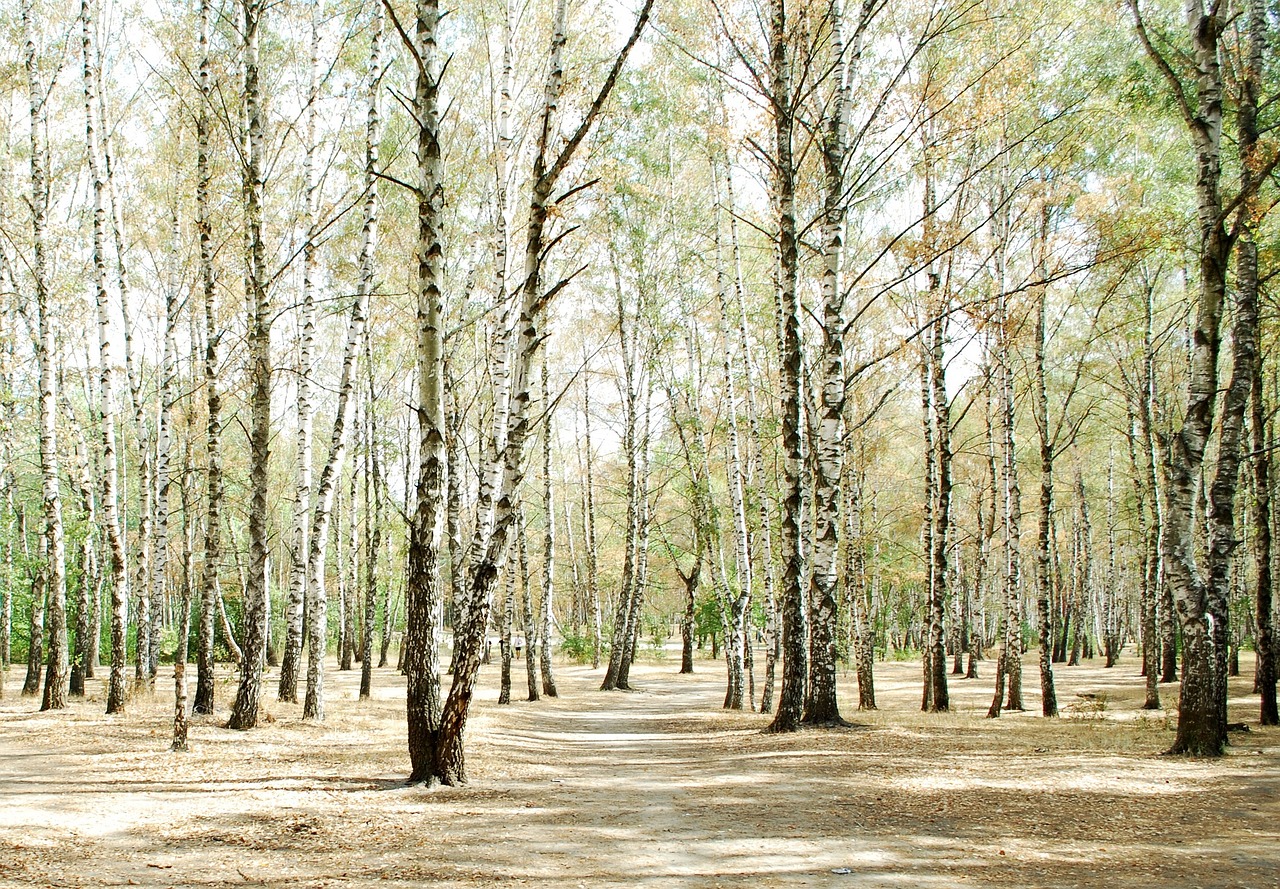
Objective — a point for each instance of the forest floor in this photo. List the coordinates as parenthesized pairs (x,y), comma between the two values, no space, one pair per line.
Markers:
(657,787)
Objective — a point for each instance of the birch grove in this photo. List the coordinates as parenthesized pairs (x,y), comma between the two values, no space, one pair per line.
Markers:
(803,336)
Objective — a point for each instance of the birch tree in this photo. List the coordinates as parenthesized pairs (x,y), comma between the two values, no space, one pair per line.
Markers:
(55,581)
(299,551)
(439,756)
(212,543)
(1201,594)
(244,713)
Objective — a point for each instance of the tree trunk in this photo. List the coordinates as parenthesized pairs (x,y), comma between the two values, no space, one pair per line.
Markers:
(422,580)
(108,468)
(504,468)
(740,591)
(244,713)
(549,545)
(529,628)
(36,620)
(821,707)
(187,489)
(1048,694)
(794,624)
(298,547)
(1201,597)
(506,617)
(8,482)
(623,631)
(90,575)
(168,371)
(212,544)
(589,528)
(326,492)
(350,567)
(55,583)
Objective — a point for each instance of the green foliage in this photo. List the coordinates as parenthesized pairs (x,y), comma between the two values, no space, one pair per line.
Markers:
(580,649)
(657,629)
(168,645)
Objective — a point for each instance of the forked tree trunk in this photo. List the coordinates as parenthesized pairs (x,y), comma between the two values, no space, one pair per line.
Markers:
(640,585)
(1201,594)
(439,754)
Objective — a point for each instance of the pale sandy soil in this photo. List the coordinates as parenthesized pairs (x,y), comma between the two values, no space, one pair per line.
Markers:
(653,788)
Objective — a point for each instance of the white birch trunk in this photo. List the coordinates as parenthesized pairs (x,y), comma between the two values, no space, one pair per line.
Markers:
(58,675)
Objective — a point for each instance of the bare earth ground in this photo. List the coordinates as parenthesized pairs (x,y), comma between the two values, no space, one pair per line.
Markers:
(657,787)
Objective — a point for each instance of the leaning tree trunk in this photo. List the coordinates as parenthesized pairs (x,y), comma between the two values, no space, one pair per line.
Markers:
(326,491)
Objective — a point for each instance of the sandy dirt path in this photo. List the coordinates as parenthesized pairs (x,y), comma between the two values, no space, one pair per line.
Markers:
(657,787)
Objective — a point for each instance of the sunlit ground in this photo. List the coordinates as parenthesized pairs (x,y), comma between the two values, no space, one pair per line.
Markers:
(657,787)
